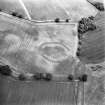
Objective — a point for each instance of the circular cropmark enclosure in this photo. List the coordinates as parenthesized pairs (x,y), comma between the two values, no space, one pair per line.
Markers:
(52,52)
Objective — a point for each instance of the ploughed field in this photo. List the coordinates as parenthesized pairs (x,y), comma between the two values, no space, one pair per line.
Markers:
(35,93)
(92,48)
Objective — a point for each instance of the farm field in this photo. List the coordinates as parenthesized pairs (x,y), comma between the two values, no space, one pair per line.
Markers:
(49,10)
(22,55)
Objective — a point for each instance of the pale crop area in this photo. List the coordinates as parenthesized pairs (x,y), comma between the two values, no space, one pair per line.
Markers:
(24,48)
